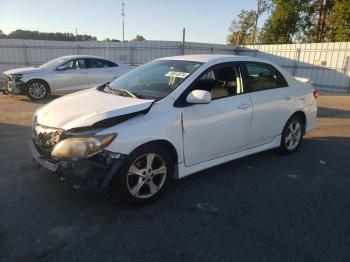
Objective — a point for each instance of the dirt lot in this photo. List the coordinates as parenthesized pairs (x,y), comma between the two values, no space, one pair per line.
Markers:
(265,207)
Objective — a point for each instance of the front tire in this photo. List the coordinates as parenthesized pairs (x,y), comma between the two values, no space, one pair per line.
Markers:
(37,90)
(145,174)
(292,135)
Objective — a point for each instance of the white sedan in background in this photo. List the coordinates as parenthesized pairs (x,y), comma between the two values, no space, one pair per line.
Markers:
(66,73)
(171,117)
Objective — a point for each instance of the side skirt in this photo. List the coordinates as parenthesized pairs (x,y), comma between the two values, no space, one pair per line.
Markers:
(186,171)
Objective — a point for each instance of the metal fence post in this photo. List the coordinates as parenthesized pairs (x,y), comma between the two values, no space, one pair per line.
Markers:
(183,41)
(25,55)
(255,52)
(132,56)
(347,72)
(237,50)
(296,61)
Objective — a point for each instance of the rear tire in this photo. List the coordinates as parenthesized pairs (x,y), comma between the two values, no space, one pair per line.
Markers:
(292,135)
(37,90)
(145,175)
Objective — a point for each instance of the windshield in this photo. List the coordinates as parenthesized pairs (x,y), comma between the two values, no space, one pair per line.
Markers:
(155,80)
(53,62)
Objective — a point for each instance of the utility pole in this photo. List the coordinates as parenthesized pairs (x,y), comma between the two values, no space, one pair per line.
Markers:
(183,40)
(123,14)
(76,34)
(256,21)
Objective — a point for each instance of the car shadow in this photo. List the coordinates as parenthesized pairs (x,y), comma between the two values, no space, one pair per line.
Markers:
(315,152)
(14,141)
(325,112)
(40,102)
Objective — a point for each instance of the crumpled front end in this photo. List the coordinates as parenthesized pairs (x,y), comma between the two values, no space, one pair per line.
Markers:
(93,173)
(13,85)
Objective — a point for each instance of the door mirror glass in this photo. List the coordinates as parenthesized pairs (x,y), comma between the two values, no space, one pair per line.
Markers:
(199,97)
(61,68)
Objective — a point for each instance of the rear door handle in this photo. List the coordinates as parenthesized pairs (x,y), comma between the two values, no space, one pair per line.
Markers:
(288,97)
(244,106)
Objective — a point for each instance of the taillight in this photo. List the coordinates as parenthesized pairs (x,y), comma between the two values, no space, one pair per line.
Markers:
(315,93)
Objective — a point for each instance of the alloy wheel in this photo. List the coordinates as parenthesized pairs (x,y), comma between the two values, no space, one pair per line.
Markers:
(293,136)
(37,90)
(146,176)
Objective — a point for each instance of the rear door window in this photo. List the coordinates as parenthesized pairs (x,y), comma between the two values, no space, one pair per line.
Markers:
(99,63)
(263,77)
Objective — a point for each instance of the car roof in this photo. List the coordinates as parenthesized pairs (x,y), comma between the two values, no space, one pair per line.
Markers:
(205,58)
(84,56)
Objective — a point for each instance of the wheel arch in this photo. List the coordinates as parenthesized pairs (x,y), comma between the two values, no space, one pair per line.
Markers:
(168,146)
(301,114)
(165,144)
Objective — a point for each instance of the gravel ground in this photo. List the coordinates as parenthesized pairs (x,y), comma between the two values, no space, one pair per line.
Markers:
(264,207)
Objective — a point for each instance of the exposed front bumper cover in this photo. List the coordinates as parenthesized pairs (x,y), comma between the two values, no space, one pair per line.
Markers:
(15,88)
(91,174)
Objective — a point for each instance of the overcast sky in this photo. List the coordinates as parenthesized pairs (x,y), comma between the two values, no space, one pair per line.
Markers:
(204,20)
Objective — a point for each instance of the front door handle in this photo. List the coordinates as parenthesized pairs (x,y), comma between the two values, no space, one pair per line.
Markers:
(244,106)
(288,97)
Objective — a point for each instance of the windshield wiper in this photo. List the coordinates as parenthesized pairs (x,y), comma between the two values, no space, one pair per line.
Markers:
(120,90)
(129,93)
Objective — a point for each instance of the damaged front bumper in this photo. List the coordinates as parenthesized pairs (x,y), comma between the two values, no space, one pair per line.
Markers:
(13,87)
(93,174)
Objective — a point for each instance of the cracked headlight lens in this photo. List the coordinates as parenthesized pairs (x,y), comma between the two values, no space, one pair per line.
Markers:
(81,147)
(16,77)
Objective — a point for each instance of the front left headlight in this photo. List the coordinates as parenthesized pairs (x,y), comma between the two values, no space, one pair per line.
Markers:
(81,147)
(16,77)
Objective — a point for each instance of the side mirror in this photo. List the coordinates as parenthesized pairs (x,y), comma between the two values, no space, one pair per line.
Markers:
(61,68)
(199,97)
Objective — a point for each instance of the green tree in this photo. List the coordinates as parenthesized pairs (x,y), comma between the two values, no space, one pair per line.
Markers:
(110,40)
(284,23)
(339,21)
(315,21)
(139,38)
(2,35)
(36,35)
(242,29)
(262,7)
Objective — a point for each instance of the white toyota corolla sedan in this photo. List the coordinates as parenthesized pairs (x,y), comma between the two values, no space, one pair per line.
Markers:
(170,118)
(66,73)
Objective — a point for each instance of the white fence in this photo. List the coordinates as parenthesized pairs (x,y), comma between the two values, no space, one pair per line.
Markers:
(326,65)
(15,53)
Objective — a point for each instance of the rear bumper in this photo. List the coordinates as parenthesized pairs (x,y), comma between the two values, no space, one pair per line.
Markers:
(89,174)
(311,114)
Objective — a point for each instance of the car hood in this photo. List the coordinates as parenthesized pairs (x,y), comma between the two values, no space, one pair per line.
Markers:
(87,107)
(24,70)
